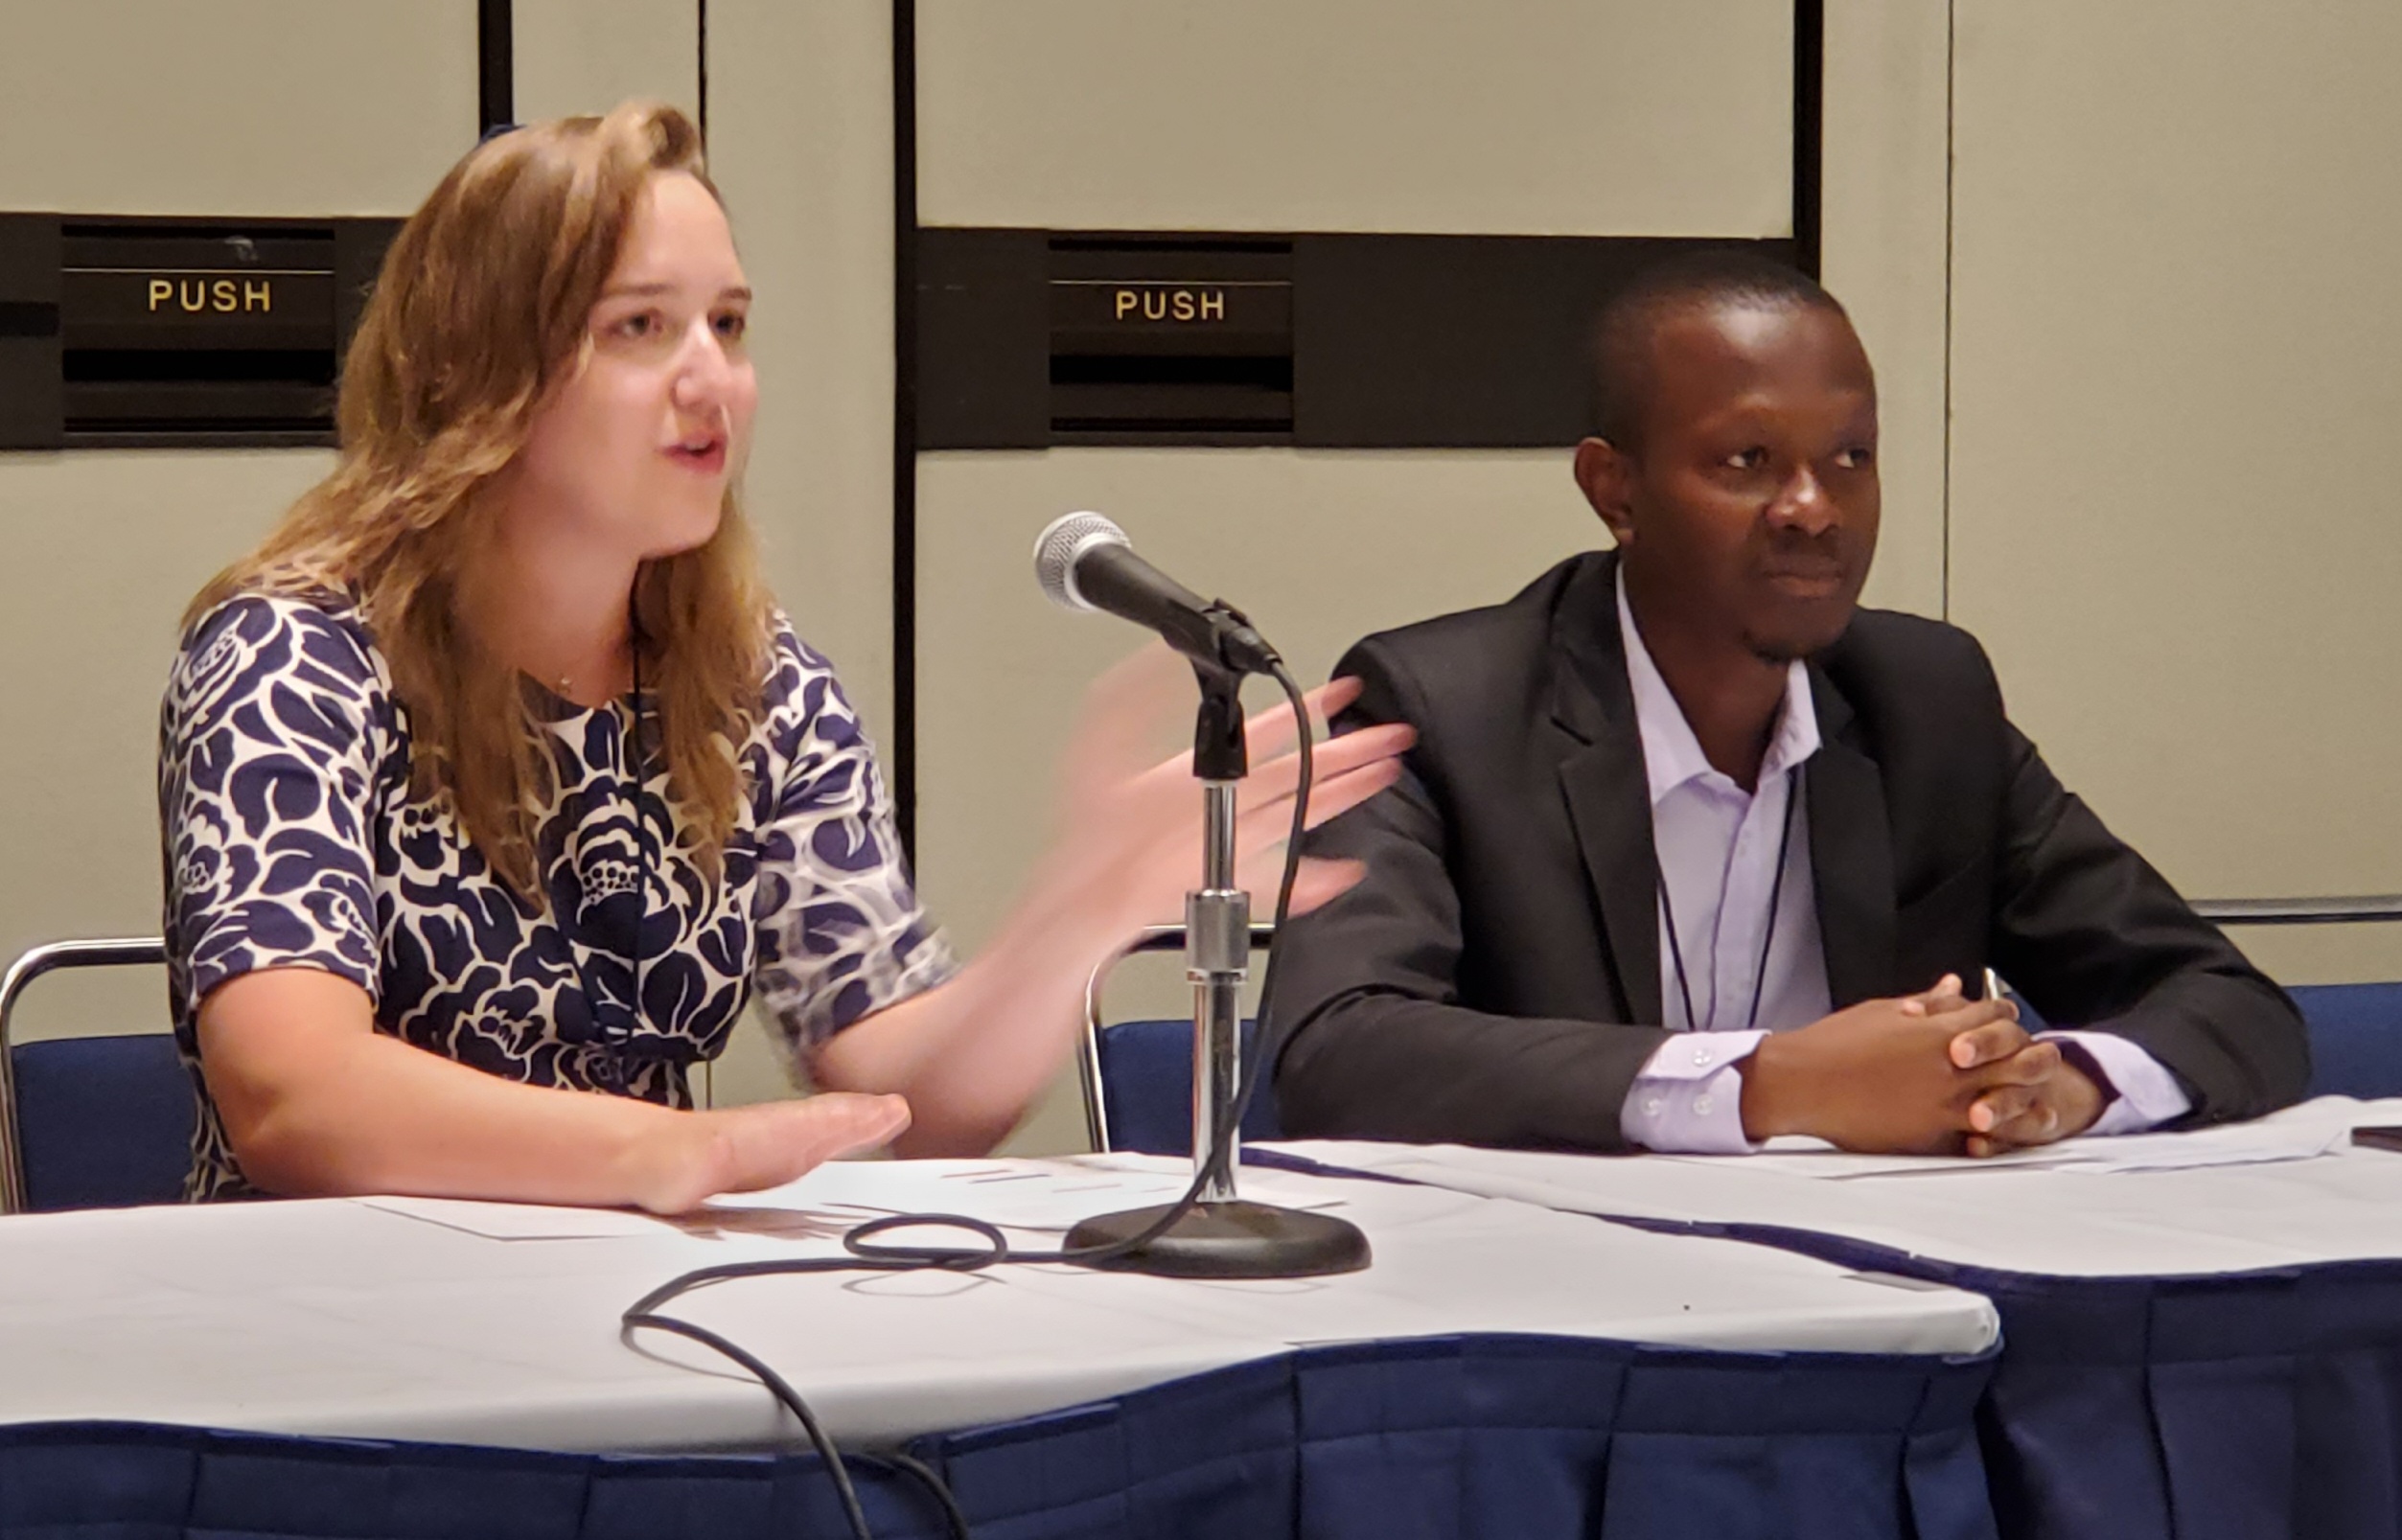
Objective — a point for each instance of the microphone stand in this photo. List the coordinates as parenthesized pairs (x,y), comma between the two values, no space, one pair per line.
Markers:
(1222,1235)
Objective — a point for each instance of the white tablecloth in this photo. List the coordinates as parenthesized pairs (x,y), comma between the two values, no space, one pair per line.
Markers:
(2270,1208)
(343,1317)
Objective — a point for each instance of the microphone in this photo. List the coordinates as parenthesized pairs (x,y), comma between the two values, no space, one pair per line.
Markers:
(1084,562)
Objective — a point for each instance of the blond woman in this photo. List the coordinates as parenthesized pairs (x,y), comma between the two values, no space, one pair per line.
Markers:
(492,784)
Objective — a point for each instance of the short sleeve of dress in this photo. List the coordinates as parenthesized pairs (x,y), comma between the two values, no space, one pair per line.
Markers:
(268,766)
(840,930)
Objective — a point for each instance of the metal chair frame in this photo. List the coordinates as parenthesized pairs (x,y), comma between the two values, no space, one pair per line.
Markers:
(2369,910)
(1154,938)
(113,953)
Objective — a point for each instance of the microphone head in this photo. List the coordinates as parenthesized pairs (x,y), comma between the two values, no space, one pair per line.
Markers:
(1061,545)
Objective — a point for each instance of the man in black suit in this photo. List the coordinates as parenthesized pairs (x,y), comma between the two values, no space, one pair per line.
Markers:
(1692,851)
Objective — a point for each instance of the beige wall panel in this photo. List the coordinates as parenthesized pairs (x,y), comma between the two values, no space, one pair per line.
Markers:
(104,550)
(800,110)
(586,56)
(2174,339)
(1320,549)
(800,128)
(1535,117)
(253,107)
(1884,212)
(294,107)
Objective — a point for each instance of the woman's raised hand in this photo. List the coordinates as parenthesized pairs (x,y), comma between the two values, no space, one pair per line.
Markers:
(972,1054)
(1130,824)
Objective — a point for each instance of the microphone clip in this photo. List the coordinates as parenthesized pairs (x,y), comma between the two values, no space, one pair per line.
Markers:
(1220,751)
(1237,645)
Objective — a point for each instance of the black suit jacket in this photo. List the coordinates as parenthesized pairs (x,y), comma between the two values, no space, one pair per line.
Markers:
(1496,978)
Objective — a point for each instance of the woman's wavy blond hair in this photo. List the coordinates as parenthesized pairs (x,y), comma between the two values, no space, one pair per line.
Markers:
(482,307)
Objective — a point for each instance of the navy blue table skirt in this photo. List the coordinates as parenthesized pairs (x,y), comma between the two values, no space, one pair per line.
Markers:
(1499,1436)
(2235,1407)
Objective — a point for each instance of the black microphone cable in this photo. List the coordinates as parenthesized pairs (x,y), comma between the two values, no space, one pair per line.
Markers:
(866,1253)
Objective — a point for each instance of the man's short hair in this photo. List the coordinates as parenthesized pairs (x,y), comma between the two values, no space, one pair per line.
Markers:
(1623,331)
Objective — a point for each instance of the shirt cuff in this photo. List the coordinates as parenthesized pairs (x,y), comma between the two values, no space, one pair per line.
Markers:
(2147,1096)
(1687,1098)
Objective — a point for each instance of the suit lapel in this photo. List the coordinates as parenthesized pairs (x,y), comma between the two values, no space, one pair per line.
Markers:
(1851,854)
(1610,801)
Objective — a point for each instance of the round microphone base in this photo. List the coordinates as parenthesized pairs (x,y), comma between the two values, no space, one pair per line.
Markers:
(1229,1240)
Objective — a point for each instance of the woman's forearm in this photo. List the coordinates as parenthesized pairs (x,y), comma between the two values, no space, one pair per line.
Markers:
(316,1103)
(380,1116)
(972,1054)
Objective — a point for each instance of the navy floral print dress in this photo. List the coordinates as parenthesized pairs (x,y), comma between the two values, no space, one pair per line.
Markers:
(291,839)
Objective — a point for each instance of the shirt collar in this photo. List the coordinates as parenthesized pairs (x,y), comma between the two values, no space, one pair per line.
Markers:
(1671,755)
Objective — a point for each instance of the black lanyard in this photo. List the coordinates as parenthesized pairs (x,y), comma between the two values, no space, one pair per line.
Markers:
(1776,891)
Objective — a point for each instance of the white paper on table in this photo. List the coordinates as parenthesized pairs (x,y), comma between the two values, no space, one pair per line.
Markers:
(1046,1196)
(1020,1194)
(2031,1223)
(2256,1144)
(2260,1143)
(523,1221)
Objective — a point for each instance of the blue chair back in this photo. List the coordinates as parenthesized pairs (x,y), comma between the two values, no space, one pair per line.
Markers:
(2355,1037)
(103,1122)
(93,1122)
(1147,1087)
(2355,1030)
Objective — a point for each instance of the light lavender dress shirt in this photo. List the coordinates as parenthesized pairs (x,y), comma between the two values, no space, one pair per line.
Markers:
(1717,847)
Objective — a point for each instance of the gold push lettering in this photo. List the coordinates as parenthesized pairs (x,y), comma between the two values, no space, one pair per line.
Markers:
(1178,304)
(213,296)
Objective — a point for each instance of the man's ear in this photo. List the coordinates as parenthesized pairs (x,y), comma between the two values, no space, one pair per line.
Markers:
(1606,476)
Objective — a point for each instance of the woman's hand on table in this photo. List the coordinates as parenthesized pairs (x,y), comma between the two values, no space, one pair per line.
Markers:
(694,1156)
